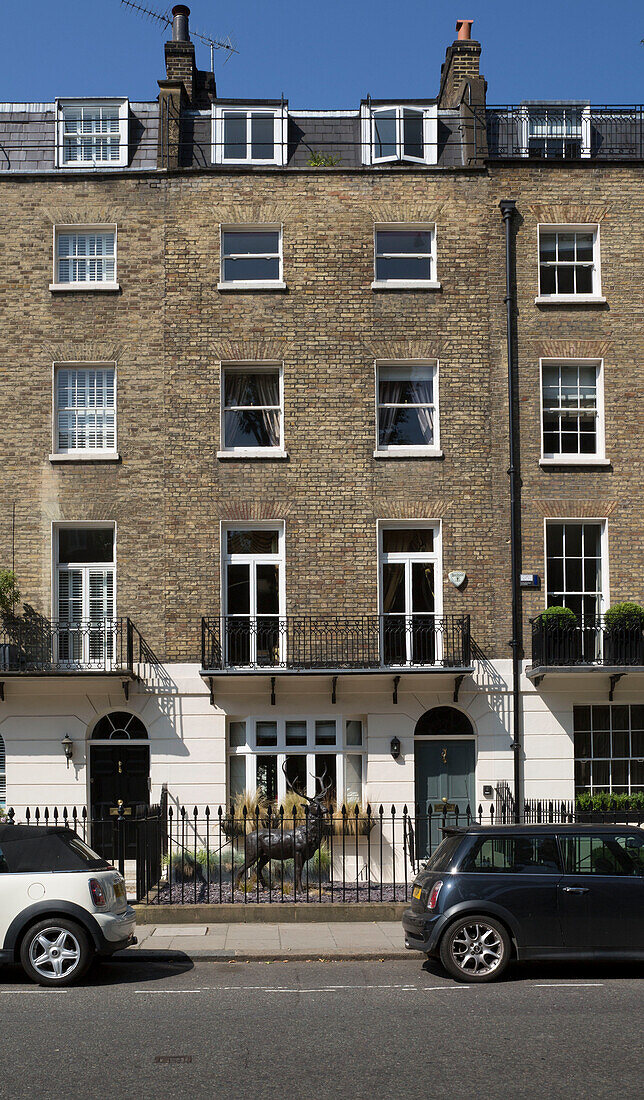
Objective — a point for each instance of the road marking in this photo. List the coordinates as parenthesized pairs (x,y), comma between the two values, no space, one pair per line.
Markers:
(37,992)
(294,990)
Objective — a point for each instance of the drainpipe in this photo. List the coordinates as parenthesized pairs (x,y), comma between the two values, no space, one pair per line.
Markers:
(508,209)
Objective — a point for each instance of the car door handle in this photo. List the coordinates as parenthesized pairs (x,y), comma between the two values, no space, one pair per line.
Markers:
(575,889)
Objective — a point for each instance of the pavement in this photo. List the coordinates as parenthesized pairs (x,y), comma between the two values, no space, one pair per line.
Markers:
(267,942)
(142,1028)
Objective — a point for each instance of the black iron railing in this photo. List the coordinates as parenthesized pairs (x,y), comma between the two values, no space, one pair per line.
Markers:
(588,643)
(306,642)
(97,645)
(565,131)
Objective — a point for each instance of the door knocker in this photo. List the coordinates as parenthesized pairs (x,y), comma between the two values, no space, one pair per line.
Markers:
(444,755)
(120,767)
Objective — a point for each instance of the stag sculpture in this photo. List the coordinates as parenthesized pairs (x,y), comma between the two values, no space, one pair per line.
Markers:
(298,843)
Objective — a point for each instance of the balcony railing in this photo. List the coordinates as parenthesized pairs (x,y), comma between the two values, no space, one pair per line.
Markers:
(590,643)
(566,132)
(303,642)
(98,645)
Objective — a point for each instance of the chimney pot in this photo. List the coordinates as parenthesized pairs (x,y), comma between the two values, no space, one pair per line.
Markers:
(464,28)
(180,31)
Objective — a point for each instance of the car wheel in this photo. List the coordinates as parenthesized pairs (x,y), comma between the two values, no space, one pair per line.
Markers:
(475,949)
(55,952)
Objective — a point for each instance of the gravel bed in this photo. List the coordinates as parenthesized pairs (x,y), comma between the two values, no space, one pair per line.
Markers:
(191,893)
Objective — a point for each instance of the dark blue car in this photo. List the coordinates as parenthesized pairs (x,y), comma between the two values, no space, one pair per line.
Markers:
(489,894)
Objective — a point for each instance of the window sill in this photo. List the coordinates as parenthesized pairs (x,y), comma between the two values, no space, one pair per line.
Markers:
(405,284)
(570,300)
(575,460)
(254,284)
(84,287)
(410,452)
(254,453)
(86,456)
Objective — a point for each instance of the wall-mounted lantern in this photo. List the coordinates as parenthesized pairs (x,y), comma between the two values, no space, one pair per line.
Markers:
(395,747)
(68,747)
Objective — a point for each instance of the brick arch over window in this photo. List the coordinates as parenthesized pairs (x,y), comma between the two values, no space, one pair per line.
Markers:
(3,776)
(119,725)
(443,722)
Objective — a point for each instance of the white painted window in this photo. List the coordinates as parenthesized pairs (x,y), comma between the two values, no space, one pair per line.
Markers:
(609,748)
(86,596)
(577,568)
(259,749)
(3,774)
(251,408)
(410,593)
(251,257)
(569,265)
(400,133)
(249,135)
(92,134)
(407,407)
(253,593)
(404,256)
(84,409)
(555,131)
(84,257)
(572,410)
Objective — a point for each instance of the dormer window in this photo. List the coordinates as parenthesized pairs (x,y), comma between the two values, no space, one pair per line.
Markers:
(399,133)
(249,135)
(555,131)
(92,134)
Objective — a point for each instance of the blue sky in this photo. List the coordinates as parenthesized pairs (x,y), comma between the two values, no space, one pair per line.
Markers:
(330,54)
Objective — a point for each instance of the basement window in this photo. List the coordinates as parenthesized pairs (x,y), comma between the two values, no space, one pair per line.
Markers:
(92,134)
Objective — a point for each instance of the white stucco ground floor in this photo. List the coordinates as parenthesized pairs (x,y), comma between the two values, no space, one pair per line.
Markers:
(371,735)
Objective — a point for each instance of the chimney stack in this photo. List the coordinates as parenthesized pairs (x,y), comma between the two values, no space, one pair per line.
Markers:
(180,52)
(460,69)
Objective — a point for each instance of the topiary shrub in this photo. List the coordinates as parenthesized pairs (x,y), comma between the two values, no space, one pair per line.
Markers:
(9,591)
(555,617)
(625,615)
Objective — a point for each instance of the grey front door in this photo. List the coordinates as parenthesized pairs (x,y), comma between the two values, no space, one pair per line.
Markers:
(444,776)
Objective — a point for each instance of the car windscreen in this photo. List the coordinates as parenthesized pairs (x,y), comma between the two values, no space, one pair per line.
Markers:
(52,852)
(441,859)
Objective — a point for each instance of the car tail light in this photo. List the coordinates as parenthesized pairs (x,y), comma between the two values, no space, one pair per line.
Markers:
(97,893)
(433,897)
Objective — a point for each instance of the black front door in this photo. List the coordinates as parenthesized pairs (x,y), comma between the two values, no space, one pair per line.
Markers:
(119,774)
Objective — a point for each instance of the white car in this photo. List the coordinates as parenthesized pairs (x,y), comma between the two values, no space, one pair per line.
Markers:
(60,904)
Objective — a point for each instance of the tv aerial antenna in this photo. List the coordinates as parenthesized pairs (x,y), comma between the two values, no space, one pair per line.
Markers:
(164,19)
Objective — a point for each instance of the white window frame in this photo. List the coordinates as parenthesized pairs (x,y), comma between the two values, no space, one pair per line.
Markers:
(3,773)
(536,108)
(403,450)
(123,105)
(56,568)
(254,559)
(430,133)
(280,133)
(412,284)
(88,454)
(251,367)
(561,459)
(603,544)
(310,750)
(252,284)
(394,557)
(563,299)
(100,287)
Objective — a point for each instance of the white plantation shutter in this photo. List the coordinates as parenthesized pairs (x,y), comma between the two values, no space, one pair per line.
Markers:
(86,409)
(91,135)
(86,257)
(3,776)
(70,595)
(101,609)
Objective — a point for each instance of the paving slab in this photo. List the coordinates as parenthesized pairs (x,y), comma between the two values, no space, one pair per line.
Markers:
(172,930)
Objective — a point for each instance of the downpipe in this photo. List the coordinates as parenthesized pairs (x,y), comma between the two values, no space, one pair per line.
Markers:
(508,209)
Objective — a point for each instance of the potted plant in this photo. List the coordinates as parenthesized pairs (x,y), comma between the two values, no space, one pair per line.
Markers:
(624,634)
(560,637)
(9,597)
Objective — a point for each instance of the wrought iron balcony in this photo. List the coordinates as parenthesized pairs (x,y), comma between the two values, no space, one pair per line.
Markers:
(303,642)
(566,131)
(39,646)
(587,644)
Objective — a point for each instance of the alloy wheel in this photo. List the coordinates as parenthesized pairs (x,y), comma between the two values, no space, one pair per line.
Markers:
(477,948)
(54,952)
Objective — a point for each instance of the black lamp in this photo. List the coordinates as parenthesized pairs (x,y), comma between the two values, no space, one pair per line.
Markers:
(395,747)
(68,747)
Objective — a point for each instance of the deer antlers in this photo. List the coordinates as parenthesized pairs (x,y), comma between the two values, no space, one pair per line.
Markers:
(322,792)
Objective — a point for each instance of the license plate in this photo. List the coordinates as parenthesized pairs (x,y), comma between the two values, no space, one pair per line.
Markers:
(417,891)
(119,890)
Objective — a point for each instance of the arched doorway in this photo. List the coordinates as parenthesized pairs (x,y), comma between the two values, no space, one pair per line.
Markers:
(119,774)
(444,761)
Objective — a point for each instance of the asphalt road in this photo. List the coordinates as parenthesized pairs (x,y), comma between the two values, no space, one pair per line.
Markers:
(338,1029)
